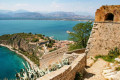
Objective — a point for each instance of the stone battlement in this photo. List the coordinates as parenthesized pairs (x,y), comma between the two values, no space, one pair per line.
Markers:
(68,72)
(105,32)
(104,37)
(52,57)
(108,13)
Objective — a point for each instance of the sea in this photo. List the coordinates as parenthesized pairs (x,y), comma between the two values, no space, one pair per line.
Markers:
(10,62)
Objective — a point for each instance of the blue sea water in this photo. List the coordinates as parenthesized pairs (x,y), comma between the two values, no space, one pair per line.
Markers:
(10,62)
(54,28)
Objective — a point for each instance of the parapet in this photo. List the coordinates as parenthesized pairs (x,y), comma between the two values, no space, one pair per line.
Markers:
(109,13)
(68,72)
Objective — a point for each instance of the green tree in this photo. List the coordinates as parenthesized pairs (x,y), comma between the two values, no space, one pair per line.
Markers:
(80,35)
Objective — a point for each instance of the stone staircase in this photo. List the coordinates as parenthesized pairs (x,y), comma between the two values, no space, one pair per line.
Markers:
(95,71)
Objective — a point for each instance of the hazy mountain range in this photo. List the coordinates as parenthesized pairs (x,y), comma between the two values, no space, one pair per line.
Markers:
(23,14)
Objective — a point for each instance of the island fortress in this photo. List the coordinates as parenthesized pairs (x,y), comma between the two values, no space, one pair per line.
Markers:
(105,34)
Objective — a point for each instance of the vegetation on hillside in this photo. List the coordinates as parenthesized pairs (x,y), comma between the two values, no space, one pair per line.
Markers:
(78,76)
(32,57)
(22,39)
(28,36)
(80,35)
(50,44)
(35,40)
(113,53)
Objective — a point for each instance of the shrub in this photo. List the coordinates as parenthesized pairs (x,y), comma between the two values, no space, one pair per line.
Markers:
(13,48)
(29,33)
(35,40)
(78,76)
(74,46)
(117,68)
(40,35)
(113,53)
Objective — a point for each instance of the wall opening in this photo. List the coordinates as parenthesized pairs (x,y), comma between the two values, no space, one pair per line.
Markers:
(109,17)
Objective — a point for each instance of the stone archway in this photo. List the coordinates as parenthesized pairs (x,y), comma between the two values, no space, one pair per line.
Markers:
(109,17)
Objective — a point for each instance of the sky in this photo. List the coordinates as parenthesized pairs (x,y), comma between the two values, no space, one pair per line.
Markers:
(79,6)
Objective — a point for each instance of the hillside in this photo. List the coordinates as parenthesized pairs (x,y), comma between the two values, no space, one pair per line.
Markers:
(32,46)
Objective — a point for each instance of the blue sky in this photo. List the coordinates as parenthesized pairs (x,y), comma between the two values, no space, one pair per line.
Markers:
(83,6)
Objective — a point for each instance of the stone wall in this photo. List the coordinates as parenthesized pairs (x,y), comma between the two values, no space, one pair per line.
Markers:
(68,72)
(78,51)
(104,37)
(101,13)
(52,57)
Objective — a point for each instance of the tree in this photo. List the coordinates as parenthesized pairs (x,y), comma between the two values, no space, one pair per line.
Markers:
(80,35)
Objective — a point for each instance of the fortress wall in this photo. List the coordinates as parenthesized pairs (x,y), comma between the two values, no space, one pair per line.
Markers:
(52,57)
(104,37)
(67,72)
(100,14)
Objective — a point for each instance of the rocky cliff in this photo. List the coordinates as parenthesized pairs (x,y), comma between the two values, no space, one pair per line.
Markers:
(28,44)
(18,42)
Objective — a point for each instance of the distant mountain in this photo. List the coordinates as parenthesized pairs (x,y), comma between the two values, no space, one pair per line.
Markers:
(21,11)
(23,14)
(5,11)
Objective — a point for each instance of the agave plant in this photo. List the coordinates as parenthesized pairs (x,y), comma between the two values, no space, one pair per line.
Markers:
(33,74)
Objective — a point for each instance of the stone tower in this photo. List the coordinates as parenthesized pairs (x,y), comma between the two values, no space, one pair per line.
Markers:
(105,34)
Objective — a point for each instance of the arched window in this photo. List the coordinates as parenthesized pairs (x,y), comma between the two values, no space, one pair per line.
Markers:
(109,17)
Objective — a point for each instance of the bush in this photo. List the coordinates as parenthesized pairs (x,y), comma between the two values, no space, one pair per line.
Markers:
(33,58)
(40,35)
(51,42)
(5,37)
(35,40)
(74,46)
(117,68)
(78,76)
(113,53)
(13,48)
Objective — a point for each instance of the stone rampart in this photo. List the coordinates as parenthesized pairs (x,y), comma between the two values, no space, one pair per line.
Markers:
(104,37)
(68,72)
(78,51)
(108,13)
(52,57)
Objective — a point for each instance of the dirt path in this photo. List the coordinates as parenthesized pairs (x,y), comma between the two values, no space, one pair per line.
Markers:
(95,71)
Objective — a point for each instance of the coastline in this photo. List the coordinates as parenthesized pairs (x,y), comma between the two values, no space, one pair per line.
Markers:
(32,65)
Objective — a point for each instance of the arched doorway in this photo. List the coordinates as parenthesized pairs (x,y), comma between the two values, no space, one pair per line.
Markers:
(109,17)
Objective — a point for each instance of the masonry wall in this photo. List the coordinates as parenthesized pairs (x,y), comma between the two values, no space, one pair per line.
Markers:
(101,13)
(104,37)
(67,72)
(52,57)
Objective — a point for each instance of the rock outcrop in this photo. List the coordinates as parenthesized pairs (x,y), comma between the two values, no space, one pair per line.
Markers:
(27,44)
(19,43)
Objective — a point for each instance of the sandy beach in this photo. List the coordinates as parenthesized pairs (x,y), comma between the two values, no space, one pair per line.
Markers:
(32,65)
